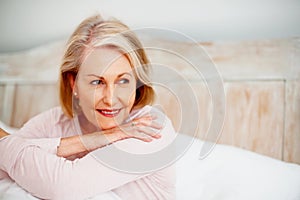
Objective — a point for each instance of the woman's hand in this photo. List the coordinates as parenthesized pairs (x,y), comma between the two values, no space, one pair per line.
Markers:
(143,128)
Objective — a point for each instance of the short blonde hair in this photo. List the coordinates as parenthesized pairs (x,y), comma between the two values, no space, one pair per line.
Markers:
(95,32)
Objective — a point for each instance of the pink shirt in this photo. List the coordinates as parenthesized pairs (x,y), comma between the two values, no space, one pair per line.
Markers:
(29,158)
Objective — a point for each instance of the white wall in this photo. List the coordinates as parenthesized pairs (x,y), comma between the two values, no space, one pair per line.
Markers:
(27,23)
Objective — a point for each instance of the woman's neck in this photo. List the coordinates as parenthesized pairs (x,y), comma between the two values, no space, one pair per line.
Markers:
(85,125)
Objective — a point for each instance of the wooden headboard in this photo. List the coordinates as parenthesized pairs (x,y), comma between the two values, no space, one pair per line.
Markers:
(261,82)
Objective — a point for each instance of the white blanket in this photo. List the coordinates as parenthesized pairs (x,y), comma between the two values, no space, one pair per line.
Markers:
(228,173)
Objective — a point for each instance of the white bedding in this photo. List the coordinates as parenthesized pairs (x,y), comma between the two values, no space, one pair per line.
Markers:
(228,173)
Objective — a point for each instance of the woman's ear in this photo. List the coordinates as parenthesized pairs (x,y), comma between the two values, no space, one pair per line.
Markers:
(72,84)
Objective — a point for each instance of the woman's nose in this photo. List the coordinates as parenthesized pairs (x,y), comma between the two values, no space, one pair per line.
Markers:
(108,96)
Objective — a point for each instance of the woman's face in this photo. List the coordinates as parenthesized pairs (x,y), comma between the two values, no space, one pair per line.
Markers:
(106,87)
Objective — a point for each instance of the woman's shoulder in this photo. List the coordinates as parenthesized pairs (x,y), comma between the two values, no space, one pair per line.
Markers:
(42,124)
(51,115)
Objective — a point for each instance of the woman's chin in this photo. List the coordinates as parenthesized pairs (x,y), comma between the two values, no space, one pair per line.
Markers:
(108,125)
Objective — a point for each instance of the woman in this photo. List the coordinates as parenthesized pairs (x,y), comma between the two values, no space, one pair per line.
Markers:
(104,93)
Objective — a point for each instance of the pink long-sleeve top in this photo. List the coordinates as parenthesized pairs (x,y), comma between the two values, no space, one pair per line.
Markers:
(29,158)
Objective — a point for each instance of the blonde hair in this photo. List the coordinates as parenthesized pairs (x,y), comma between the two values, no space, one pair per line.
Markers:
(95,32)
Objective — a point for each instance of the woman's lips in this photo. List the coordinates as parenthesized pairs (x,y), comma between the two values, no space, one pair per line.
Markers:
(109,112)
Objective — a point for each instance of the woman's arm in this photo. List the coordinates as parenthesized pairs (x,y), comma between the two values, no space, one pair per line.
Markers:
(50,177)
(144,129)
(77,146)
(47,176)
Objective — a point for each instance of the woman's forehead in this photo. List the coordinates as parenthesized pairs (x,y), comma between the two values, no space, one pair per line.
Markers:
(105,60)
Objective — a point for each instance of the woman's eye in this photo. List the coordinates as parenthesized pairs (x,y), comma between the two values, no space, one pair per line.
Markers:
(123,81)
(97,82)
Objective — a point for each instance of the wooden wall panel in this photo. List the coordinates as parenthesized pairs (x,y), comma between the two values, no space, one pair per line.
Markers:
(251,60)
(194,105)
(31,100)
(292,122)
(242,60)
(2,88)
(7,101)
(254,114)
(255,117)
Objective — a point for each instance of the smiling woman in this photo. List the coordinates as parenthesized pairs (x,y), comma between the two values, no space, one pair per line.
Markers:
(105,95)
(106,87)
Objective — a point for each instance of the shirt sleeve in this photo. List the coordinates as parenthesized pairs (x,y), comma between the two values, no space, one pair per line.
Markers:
(47,176)
(40,126)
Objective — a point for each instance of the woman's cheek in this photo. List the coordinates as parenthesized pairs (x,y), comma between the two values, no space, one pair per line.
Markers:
(87,98)
(127,95)
(97,96)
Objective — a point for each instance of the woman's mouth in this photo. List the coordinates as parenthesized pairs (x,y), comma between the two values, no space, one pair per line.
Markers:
(109,112)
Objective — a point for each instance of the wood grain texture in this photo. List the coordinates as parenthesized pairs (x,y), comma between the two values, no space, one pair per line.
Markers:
(255,117)
(188,107)
(240,61)
(2,88)
(39,64)
(292,122)
(254,114)
(8,98)
(31,100)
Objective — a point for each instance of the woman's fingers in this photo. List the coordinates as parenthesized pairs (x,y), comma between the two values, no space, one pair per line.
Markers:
(142,132)
(143,128)
(142,136)
(147,116)
(147,120)
(149,131)
(148,123)
(139,131)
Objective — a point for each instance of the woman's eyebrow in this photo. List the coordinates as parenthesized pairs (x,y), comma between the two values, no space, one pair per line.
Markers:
(98,76)
(125,73)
